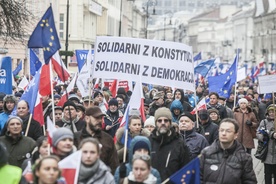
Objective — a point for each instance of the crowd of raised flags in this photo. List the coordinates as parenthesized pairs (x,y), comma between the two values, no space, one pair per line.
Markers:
(220,77)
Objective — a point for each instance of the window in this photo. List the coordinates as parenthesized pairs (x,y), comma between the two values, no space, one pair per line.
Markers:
(61,25)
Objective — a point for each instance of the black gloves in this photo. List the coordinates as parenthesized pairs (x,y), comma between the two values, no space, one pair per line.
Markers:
(249,123)
(123,170)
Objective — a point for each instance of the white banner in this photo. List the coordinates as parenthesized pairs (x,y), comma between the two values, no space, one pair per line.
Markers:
(154,62)
(241,74)
(267,84)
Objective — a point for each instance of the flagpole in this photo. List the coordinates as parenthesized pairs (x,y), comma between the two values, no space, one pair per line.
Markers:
(197,123)
(235,96)
(52,91)
(29,123)
(125,145)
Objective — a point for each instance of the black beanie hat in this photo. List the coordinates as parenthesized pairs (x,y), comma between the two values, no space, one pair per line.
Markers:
(140,145)
(113,101)
(188,114)
(97,93)
(69,103)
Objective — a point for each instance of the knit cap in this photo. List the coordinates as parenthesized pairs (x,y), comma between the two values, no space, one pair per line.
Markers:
(213,110)
(163,112)
(113,101)
(203,114)
(69,103)
(97,93)
(14,117)
(62,133)
(149,122)
(141,145)
(243,100)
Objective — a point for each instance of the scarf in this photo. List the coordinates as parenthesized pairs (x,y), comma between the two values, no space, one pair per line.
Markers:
(87,172)
(68,124)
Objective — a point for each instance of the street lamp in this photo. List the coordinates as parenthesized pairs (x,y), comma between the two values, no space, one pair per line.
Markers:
(149,3)
(170,23)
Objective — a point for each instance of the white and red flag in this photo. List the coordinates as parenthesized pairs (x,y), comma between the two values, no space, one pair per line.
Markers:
(136,102)
(60,67)
(201,105)
(70,167)
(50,130)
(23,83)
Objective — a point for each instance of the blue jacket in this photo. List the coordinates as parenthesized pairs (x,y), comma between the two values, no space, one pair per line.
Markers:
(154,172)
(176,104)
(3,119)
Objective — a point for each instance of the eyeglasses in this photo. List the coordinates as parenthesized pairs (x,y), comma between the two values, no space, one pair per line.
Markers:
(227,131)
(142,157)
(165,120)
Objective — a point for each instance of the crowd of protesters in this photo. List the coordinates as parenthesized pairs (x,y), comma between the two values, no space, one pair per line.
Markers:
(151,150)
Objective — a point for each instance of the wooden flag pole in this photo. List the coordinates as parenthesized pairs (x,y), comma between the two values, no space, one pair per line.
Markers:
(29,123)
(125,145)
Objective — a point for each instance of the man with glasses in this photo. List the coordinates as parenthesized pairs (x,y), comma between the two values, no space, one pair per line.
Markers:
(226,160)
(93,128)
(169,152)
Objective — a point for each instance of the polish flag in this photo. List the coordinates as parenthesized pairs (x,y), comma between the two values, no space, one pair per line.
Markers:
(136,102)
(96,86)
(70,167)
(23,83)
(50,130)
(38,110)
(69,88)
(60,67)
(201,105)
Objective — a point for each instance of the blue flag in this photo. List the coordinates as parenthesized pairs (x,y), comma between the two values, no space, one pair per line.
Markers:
(81,56)
(35,64)
(222,84)
(6,75)
(189,174)
(45,36)
(18,69)
(204,67)
(197,57)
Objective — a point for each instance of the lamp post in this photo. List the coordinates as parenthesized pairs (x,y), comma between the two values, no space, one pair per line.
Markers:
(149,3)
(66,38)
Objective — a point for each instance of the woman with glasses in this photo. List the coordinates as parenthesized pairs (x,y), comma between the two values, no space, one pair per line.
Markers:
(134,129)
(92,169)
(141,171)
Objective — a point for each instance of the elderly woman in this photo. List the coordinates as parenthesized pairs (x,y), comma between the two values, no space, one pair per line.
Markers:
(92,169)
(247,122)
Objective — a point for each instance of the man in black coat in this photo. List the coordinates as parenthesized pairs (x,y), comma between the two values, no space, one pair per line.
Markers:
(214,104)
(226,160)
(169,152)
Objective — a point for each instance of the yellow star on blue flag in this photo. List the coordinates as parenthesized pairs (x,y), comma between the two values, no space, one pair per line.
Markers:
(45,36)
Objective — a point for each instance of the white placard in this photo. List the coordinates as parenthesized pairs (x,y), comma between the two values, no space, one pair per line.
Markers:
(241,74)
(150,61)
(267,84)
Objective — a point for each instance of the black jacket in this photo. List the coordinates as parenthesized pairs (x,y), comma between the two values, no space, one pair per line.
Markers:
(220,108)
(210,131)
(228,166)
(169,153)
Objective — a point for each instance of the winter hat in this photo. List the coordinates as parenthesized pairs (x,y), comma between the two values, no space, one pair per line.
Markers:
(57,96)
(69,103)
(163,112)
(187,114)
(97,93)
(242,100)
(74,97)
(94,111)
(80,107)
(113,101)
(141,145)
(2,95)
(213,110)
(62,133)
(86,99)
(158,95)
(271,107)
(18,94)
(203,114)
(14,117)
(149,122)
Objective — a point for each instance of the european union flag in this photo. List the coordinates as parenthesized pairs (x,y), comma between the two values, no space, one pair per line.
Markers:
(35,64)
(204,67)
(45,36)
(197,57)
(222,84)
(189,174)
(18,69)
